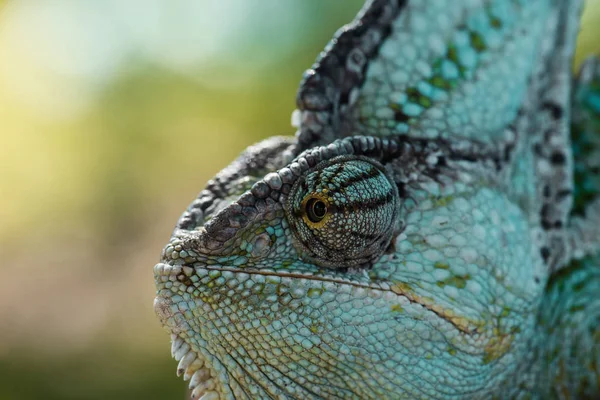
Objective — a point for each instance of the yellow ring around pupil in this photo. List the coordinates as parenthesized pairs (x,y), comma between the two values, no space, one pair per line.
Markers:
(315,210)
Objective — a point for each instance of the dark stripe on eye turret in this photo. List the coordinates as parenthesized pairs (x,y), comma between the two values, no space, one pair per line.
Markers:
(368,204)
(364,236)
(340,168)
(363,176)
(316,179)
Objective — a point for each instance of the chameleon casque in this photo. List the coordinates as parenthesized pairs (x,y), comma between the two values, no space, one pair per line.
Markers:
(431,231)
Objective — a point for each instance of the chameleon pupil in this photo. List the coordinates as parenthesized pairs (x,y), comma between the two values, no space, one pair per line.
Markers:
(316,210)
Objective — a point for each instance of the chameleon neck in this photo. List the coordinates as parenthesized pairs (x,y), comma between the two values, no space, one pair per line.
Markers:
(567,345)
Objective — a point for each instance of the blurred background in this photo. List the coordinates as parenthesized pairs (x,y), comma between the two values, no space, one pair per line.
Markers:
(113,115)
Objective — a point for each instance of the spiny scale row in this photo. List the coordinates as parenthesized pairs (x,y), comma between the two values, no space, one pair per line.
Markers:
(191,366)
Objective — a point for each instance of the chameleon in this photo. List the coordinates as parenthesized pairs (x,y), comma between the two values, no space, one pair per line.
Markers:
(431,231)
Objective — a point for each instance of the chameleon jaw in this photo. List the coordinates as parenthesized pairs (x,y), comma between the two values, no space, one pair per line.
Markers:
(204,383)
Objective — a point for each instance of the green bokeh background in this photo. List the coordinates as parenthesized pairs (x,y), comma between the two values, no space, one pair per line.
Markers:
(113,116)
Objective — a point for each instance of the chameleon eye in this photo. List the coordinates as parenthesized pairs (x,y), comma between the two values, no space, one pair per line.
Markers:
(316,209)
(343,212)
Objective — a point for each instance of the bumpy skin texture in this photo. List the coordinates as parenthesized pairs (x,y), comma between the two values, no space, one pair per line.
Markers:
(426,234)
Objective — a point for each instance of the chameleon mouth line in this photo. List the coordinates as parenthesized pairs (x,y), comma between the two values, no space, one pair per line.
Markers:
(162,269)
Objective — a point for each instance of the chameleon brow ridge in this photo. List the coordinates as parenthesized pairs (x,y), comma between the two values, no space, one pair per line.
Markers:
(219,229)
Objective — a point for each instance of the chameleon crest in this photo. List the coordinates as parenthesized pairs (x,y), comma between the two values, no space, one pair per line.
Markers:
(431,231)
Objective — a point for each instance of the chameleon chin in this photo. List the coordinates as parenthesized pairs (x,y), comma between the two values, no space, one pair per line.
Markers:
(430,232)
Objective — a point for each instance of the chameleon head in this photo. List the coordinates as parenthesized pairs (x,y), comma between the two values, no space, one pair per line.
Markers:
(338,277)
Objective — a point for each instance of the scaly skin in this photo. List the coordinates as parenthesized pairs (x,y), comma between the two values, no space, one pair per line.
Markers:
(419,238)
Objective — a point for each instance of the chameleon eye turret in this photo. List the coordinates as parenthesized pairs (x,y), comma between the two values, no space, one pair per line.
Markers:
(343,211)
